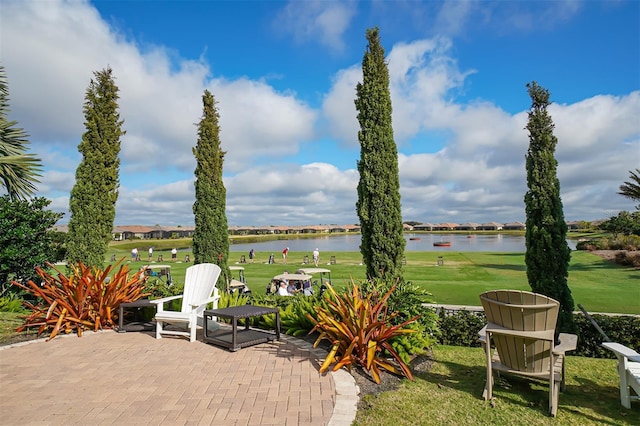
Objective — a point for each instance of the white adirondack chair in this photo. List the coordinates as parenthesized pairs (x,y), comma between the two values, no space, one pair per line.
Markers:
(628,370)
(521,325)
(199,290)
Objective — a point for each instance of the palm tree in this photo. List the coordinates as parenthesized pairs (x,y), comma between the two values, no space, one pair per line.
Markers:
(632,189)
(18,171)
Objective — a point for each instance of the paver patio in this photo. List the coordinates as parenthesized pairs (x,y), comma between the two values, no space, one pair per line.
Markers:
(132,378)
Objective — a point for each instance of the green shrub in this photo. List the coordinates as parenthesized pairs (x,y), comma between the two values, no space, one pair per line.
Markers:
(293,312)
(619,242)
(461,328)
(623,329)
(232,299)
(626,258)
(11,303)
(408,301)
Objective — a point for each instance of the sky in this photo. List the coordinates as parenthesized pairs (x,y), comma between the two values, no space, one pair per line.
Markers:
(284,76)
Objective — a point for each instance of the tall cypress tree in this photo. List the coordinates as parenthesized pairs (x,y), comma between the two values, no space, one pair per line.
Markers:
(93,198)
(547,253)
(378,204)
(210,238)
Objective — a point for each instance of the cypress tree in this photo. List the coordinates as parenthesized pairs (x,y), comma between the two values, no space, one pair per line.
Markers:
(210,238)
(547,253)
(93,198)
(378,204)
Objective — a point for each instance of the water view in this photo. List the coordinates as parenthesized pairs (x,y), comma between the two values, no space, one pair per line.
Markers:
(415,242)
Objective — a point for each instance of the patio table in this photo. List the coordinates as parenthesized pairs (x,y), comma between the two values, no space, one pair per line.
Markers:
(235,339)
(136,325)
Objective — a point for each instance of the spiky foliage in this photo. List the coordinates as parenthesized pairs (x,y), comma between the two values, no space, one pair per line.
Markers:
(210,238)
(93,198)
(26,239)
(378,205)
(631,189)
(18,171)
(547,253)
(360,329)
(84,300)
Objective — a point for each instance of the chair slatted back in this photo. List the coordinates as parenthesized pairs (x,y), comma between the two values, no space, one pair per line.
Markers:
(199,284)
(521,311)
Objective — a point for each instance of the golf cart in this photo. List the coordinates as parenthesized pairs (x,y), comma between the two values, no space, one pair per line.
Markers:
(237,281)
(161,273)
(302,282)
(325,276)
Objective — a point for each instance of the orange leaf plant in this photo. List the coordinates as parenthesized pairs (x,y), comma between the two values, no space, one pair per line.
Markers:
(86,299)
(360,331)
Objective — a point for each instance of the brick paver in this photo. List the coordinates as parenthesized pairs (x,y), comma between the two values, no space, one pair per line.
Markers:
(132,378)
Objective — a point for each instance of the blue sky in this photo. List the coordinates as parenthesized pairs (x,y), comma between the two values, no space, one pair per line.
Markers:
(284,76)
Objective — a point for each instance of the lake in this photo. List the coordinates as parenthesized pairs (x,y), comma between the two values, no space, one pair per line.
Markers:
(459,242)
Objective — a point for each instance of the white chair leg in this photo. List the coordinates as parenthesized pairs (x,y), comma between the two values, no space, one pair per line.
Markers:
(625,397)
(158,329)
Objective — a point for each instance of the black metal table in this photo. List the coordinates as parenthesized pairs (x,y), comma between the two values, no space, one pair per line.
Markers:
(235,339)
(137,325)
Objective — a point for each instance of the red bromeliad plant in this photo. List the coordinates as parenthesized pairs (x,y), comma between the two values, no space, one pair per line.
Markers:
(360,331)
(86,299)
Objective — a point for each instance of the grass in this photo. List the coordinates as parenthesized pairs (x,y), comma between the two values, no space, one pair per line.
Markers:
(598,285)
(9,322)
(450,394)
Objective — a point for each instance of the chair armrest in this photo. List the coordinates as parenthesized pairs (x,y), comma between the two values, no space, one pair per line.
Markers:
(204,302)
(622,351)
(541,335)
(568,342)
(482,334)
(165,299)
(160,302)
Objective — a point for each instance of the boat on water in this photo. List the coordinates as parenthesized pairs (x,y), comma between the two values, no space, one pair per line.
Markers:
(442,244)
(414,239)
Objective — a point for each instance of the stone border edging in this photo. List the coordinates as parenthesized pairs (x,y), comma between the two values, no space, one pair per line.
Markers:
(347,392)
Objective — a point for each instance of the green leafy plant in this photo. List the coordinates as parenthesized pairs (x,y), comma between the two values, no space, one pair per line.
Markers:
(232,299)
(11,303)
(86,299)
(408,345)
(296,319)
(360,331)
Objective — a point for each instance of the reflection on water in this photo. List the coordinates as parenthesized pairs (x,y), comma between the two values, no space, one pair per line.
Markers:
(421,242)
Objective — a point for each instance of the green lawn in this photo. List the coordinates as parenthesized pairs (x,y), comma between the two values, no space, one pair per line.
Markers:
(598,285)
(450,394)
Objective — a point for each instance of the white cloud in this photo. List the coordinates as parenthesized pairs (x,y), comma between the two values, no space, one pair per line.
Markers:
(324,21)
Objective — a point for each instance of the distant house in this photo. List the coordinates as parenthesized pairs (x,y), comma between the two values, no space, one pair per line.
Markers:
(423,227)
(490,226)
(314,229)
(514,226)
(445,227)
(469,226)
(130,232)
